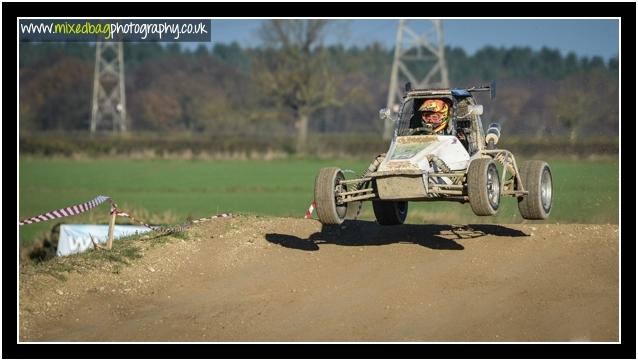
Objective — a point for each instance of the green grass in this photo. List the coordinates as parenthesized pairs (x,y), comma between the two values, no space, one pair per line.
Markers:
(584,192)
(168,191)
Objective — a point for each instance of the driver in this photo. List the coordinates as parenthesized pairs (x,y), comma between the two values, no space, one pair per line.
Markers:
(435,115)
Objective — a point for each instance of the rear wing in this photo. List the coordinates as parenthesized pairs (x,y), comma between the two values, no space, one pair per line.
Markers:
(491,88)
(455,92)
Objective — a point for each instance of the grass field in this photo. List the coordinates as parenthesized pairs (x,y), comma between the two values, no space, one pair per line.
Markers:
(167,191)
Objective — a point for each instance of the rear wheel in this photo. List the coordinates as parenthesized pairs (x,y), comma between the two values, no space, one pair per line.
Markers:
(390,213)
(484,187)
(326,185)
(537,178)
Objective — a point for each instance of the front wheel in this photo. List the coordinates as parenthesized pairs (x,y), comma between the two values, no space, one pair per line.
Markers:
(537,178)
(390,213)
(484,187)
(326,185)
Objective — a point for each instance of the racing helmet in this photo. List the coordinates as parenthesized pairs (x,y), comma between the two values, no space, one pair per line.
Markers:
(435,113)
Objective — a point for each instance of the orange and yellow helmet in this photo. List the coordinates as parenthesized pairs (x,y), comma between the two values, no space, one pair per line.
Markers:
(436,113)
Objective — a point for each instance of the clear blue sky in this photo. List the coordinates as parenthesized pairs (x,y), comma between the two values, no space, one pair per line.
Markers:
(587,37)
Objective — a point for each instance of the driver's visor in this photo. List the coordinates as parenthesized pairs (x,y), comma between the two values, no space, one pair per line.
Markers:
(432,117)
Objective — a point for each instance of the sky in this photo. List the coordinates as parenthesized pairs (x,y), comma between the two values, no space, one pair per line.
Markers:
(584,37)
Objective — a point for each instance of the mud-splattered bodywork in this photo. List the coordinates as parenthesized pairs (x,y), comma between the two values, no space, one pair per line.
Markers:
(404,173)
(457,161)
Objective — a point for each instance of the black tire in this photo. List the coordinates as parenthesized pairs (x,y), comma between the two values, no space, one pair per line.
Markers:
(325,184)
(537,179)
(390,213)
(484,187)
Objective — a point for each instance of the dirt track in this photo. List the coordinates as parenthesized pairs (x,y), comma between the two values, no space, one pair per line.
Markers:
(281,279)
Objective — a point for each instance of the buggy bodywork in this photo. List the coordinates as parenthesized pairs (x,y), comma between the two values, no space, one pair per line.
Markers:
(459,165)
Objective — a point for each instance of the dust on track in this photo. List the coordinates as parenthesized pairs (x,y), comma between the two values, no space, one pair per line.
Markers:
(283,279)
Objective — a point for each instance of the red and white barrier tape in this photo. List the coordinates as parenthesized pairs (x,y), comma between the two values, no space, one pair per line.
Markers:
(173,229)
(312,207)
(68,211)
(84,207)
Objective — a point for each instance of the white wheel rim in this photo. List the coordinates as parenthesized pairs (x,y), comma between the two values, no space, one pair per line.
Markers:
(493,186)
(546,190)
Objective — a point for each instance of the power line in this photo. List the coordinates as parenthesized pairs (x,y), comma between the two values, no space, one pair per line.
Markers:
(109,101)
(418,58)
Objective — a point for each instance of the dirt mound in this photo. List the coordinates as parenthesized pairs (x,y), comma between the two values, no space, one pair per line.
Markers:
(282,279)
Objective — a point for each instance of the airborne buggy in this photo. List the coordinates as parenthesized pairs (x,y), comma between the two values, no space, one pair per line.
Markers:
(459,165)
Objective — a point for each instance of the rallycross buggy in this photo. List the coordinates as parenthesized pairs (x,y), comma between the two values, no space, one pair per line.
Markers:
(460,164)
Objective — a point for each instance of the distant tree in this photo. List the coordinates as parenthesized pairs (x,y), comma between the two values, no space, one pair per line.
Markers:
(58,96)
(158,111)
(613,64)
(551,63)
(174,49)
(232,54)
(201,50)
(137,54)
(587,100)
(516,61)
(542,93)
(597,62)
(486,63)
(458,69)
(294,70)
(207,91)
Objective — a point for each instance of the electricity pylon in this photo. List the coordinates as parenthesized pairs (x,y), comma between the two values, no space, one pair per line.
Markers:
(419,59)
(109,101)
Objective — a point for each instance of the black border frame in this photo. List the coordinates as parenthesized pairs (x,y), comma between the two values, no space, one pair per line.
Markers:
(627,349)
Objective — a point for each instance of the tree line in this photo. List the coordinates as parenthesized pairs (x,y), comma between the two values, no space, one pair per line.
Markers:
(296,84)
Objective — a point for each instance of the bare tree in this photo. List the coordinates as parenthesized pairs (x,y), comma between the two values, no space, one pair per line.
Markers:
(294,70)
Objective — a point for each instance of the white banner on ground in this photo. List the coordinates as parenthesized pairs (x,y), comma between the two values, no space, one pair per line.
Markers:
(76,238)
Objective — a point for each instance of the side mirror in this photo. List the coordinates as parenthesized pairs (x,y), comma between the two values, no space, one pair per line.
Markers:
(476,109)
(384,113)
